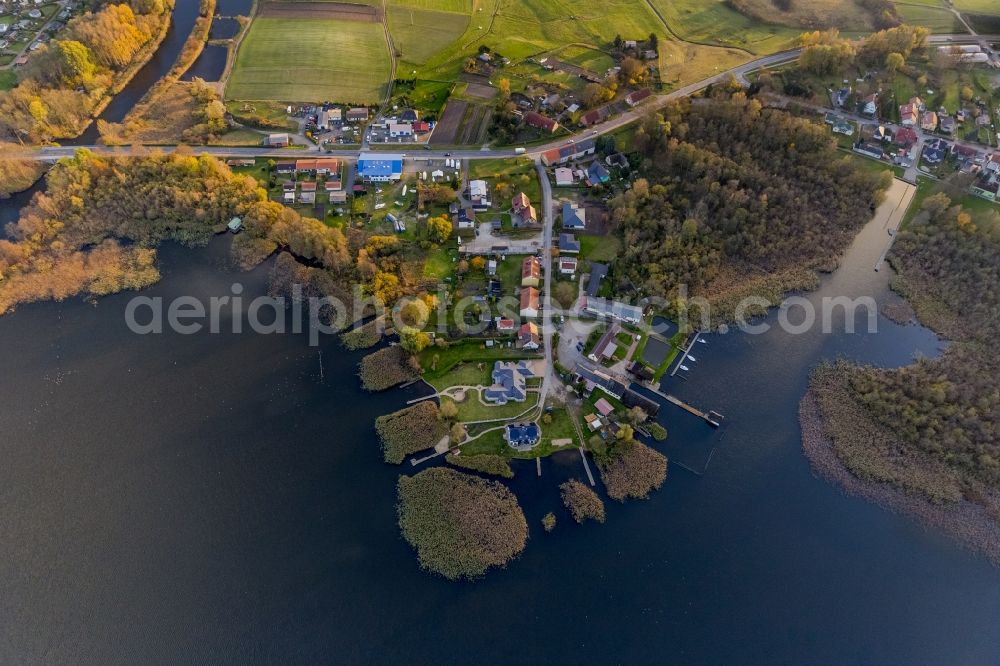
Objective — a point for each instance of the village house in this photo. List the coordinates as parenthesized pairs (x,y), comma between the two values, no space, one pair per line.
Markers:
(929,121)
(288,191)
(521,206)
(570,151)
(597,273)
(529,303)
(479,194)
(908,115)
(635,98)
(568,244)
(564,177)
(505,325)
(541,122)
(595,116)
(906,137)
(284,167)
(527,336)
(307,194)
(573,217)
(869,105)
(935,151)
(421,127)
(465,219)
(597,174)
(531,271)
(567,266)
(947,124)
(408,116)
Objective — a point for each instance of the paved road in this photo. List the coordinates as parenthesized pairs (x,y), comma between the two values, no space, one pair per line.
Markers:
(547,217)
(53,153)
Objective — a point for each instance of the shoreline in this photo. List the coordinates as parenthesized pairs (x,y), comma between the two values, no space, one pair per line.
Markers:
(967,523)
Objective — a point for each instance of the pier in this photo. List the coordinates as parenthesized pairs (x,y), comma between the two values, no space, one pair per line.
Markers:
(684,356)
(711,417)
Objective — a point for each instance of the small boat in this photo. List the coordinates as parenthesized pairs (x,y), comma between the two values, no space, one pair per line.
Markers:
(685,368)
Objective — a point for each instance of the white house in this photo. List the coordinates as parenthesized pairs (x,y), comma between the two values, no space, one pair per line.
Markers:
(479,194)
(400,130)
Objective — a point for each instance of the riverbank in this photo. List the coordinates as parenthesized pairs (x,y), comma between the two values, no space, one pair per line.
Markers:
(975,526)
(136,125)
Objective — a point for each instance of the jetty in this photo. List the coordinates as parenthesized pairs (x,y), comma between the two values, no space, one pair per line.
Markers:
(687,352)
(711,417)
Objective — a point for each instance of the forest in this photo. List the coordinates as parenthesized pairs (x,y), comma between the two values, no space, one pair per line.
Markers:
(949,269)
(65,81)
(94,228)
(731,188)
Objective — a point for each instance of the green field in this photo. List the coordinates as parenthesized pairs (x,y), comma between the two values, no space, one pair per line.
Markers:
(934,18)
(714,22)
(419,34)
(978,6)
(311,60)
(8,79)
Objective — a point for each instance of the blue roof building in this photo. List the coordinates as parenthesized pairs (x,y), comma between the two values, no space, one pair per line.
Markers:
(522,436)
(569,244)
(597,174)
(573,217)
(509,382)
(380,167)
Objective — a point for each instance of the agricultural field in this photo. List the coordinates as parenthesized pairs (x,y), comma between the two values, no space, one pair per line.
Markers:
(713,22)
(931,16)
(311,60)
(419,34)
(978,6)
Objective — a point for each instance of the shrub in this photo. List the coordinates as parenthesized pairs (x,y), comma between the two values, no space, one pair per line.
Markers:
(487,463)
(460,525)
(409,430)
(582,502)
(385,368)
(362,337)
(549,521)
(632,469)
(658,432)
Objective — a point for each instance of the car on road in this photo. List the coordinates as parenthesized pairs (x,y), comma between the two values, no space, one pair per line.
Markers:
(579,346)
(426,147)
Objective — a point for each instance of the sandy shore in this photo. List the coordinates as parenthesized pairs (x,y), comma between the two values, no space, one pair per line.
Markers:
(971,524)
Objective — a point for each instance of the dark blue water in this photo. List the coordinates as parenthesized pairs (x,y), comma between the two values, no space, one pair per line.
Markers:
(224,28)
(217,498)
(210,64)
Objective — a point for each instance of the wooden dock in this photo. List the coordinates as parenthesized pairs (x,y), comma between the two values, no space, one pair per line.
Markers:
(712,418)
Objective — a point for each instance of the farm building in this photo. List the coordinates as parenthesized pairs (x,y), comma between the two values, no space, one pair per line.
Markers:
(380,167)
(357,115)
(276,141)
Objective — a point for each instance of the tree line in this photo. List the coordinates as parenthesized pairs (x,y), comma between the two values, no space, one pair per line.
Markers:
(64,81)
(731,186)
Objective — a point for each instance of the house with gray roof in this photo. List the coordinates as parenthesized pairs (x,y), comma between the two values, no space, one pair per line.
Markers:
(569,244)
(510,382)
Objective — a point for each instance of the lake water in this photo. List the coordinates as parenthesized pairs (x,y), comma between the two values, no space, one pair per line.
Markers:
(210,64)
(219,498)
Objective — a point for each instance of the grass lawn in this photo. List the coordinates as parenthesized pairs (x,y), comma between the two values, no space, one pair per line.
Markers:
(8,79)
(519,173)
(465,351)
(438,264)
(311,60)
(927,187)
(592,59)
(600,248)
(471,409)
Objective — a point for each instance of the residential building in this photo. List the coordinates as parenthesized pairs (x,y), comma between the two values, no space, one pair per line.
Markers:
(531,271)
(408,116)
(479,194)
(906,137)
(421,127)
(528,337)
(380,167)
(321,166)
(465,219)
(604,307)
(635,98)
(509,382)
(570,151)
(597,273)
(595,116)
(929,121)
(568,244)
(567,266)
(522,436)
(307,193)
(529,303)
(869,105)
(603,407)
(541,122)
(593,378)
(520,202)
(285,167)
(564,177)
(505,325)
(947,124)
(908,115)
(573,217)
(597,174)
